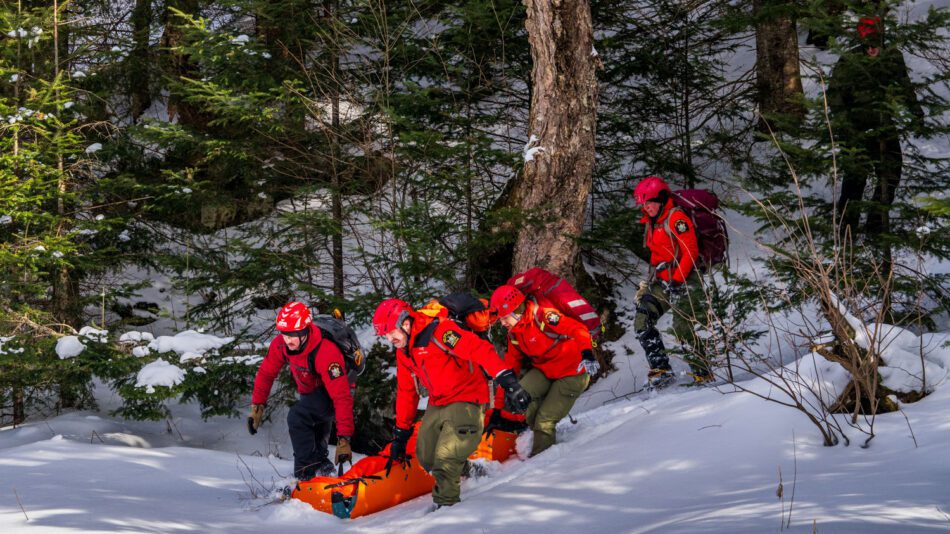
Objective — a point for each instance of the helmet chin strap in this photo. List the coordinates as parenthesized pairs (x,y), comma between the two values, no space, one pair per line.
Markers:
(403,330)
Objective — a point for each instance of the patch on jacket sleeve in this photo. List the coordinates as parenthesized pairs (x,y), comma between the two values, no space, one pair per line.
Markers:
(681,226)
(552,318)
(451,338)
(335,370)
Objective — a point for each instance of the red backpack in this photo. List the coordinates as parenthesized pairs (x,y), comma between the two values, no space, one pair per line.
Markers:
(700,205)
(538,282)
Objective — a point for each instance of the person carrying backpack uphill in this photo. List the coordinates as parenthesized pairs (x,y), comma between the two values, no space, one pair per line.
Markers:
(560,351)
(674,284)
(325,392)
(450,362)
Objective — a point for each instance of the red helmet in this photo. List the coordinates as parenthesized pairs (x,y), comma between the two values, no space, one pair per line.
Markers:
(649,188)
(506,299)
(389,315)
(869,27)
(293,317)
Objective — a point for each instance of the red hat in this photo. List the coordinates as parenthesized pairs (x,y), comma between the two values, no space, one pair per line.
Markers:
(869,27)
(389,315)
(293,317)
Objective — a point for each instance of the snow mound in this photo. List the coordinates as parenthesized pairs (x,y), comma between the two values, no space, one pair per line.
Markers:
(159,373)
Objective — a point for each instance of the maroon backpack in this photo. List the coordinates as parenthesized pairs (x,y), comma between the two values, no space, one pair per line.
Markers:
(700,205)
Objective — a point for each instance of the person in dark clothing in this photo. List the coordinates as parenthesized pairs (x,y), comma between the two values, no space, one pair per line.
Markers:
(870,95)
(325,393)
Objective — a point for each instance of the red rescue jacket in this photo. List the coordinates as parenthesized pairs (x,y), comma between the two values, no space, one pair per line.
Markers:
(551,340)
(672,239)
(446,360)
(331,374)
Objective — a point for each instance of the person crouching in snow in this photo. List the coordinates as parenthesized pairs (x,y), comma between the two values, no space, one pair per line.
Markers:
(561,355)
(450,363)
(324,397)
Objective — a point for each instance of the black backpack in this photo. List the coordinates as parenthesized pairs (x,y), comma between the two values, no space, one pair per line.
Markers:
(335,329)
(467,311)
(460,306)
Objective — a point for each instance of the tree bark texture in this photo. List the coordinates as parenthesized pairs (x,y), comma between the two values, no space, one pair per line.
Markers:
(139,86)
(777,74)
(178,65)
(557,181)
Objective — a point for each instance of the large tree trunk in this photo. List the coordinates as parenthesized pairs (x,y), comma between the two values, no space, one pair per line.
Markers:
(557,181)
(139,86)
(336,161)
(178,65)
(777,74)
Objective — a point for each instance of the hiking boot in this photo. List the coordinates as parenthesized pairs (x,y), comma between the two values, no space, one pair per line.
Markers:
(324,468)
(660,378)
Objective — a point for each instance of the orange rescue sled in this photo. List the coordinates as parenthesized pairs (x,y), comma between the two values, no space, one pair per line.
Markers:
(365,488)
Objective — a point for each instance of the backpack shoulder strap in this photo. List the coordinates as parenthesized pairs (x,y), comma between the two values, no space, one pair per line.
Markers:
(669,233)
(442,346)
(312,357)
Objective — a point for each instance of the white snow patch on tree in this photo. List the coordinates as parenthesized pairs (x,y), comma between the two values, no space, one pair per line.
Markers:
(159,373)
(189,356)
(135,337)
(530,150)
(94,334)
(69,347)
(188,341)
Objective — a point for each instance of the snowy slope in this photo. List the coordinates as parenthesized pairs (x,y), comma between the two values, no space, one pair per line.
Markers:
(686,460)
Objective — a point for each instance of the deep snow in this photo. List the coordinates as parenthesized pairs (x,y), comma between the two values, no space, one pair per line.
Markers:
(684,460)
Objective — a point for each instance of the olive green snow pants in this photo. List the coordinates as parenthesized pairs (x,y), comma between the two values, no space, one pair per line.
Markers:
(689,310)
(551,401)
(447,436)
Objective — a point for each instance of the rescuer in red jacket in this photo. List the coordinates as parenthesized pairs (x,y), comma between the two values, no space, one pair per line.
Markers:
(675,284)
(450,363)
(324,397)
(561,356)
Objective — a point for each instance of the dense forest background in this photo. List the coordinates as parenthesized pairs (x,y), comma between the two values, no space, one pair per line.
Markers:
(335,152)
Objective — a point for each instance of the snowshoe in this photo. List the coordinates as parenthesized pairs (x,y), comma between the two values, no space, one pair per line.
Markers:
(284,493)
(659,379)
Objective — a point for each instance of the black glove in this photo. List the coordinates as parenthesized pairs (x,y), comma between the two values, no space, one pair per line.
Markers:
(674,290)
(493,421)
(516,398)
(502,423)
(397,450)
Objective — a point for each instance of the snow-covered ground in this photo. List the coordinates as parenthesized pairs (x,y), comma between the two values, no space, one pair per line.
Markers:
(686,460)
